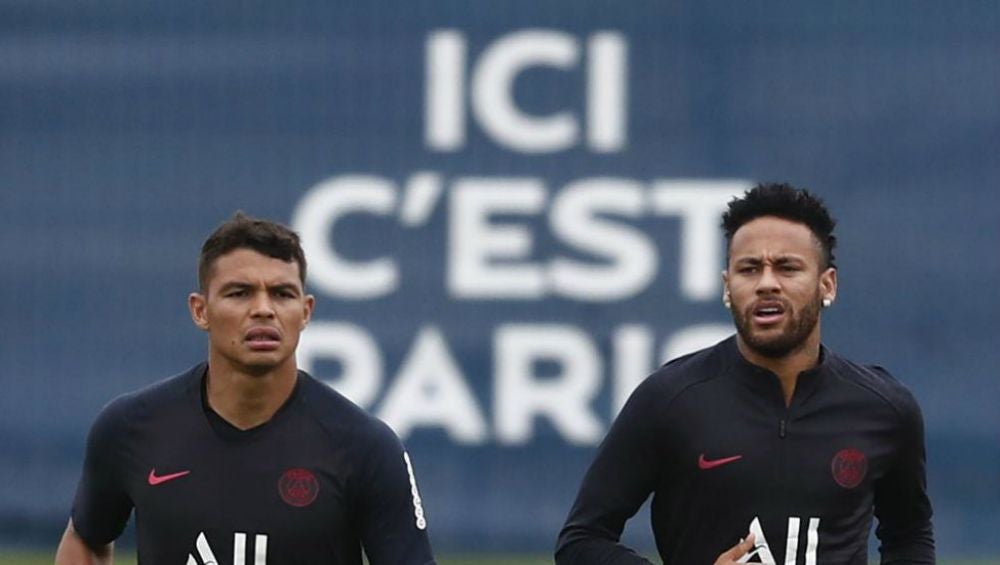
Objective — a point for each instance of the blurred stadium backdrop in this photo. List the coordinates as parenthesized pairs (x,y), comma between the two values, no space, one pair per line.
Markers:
(510,211)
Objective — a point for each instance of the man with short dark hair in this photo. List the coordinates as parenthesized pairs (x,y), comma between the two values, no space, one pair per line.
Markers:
(767,447)
(245,460)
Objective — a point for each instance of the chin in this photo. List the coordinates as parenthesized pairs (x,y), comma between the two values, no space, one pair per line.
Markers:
(260,366)
(775,346)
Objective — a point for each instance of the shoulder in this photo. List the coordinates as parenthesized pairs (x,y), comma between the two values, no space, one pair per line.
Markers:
(339,417)
(124,411)
(165,391)
(150,397)
(686,373)
(878,382)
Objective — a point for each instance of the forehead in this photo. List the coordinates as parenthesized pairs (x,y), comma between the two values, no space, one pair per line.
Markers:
(249,266)
(772,236)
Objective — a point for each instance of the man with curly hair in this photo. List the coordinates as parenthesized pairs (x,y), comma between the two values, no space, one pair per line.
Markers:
(767,447)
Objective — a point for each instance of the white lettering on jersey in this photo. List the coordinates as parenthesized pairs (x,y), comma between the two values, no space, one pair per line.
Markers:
(760,547)
(239,547)
(762,551)
(812,541)
(418,507)
(239,550)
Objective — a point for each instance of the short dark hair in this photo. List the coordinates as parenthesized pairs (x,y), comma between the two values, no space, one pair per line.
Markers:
(783,201)
(243,231)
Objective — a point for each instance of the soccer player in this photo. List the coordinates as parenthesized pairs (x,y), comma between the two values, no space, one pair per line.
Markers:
(245,460)
(767,447)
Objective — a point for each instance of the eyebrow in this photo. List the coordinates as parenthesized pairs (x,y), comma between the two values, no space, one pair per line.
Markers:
(233,285)
(780,260)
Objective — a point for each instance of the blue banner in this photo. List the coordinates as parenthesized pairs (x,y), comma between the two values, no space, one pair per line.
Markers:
(510,213)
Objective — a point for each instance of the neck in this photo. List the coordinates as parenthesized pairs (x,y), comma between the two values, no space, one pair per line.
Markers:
(244,398)
(788,366)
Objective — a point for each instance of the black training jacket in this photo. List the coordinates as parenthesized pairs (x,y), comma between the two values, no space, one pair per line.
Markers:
(710,437)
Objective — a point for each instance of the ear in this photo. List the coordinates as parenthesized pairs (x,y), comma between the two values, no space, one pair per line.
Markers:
(727,300)
(198,306)
(309,305)
(828,284)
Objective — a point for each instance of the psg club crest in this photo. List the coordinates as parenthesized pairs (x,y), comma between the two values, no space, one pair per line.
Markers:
(849,467)
(298,487)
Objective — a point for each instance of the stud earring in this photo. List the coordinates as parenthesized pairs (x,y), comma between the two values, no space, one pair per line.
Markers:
(827,303)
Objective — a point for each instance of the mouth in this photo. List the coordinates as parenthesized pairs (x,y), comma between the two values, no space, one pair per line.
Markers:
(768,312)
(262,339)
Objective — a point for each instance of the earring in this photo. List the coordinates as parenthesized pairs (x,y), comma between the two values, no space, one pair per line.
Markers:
(726,302)
(827,303)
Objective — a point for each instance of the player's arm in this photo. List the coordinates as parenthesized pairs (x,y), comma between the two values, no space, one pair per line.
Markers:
(101,506)
(619,480)
(902,506)
(74,551)
(393,525)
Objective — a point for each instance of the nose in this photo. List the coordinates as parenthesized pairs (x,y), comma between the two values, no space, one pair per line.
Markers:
(261,307)
(767,283)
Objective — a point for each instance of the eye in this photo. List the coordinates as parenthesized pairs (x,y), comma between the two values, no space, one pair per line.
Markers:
(237,293)
(747,270)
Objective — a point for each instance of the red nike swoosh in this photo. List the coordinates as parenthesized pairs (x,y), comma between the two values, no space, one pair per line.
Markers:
(154,480)
(705,464)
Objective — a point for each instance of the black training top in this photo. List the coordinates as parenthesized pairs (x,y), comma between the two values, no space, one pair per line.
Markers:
(315,484)
(710,436)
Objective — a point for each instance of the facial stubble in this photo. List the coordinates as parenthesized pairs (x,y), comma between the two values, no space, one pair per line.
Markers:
(791,338)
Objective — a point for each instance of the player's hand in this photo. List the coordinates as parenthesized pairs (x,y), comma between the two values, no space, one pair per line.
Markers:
(731,555)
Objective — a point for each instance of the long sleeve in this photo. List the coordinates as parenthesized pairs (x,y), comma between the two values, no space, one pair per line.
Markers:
(902,506)
(619,480)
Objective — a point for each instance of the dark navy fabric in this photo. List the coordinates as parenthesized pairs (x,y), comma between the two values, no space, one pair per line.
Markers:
(710,437)
(321,480)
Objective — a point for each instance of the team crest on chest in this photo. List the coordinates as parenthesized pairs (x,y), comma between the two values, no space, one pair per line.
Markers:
(298,487)
(849,467)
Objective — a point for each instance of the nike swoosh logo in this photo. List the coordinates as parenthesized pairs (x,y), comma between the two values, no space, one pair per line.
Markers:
(154,480)
(706,464)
